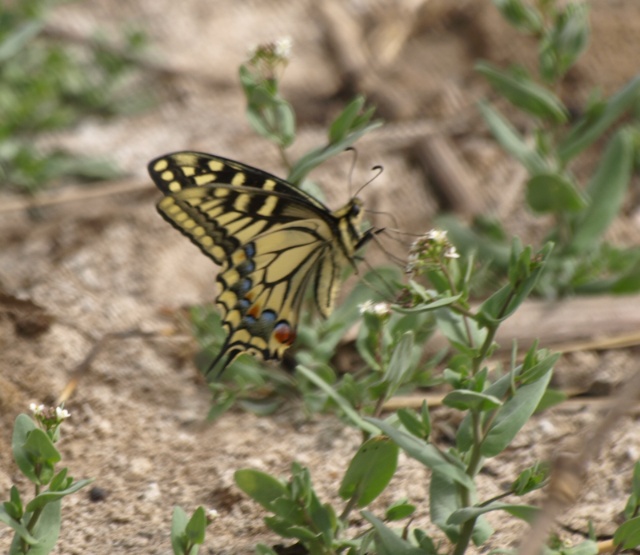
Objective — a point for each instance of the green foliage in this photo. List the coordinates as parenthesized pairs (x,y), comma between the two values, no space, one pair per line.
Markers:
(297,511)
(272,117)
(46,85)
(494,402)
(187,534)
(37,524)
(370,471)
(580,213)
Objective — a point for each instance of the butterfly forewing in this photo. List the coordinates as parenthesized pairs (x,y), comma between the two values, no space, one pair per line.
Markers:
(272,241)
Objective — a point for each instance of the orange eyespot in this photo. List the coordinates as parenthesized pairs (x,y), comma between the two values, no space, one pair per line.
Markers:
(284,334)
(254,311)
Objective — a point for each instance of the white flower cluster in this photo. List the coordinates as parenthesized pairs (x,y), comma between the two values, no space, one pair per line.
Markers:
(44,412)
(379,309)
(429,249)
(37,410)
(282,48)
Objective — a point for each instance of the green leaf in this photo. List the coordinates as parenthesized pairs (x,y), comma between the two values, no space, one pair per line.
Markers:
(343,123)
(287,530)
(543,363)
(524,93)
(274,121)
(628,534)
(427,454)
(606,192)
(597,121)
(425,542)
(17,526)
(509,418)
(18,39)
(426,419)
(14,506)
(565,41)
(195,529)
(42,453)
(22,428)
(322,517)
(428,305)
(444,500)
(524,512)
(511,140)
(524,271)
(48,496)
(45,531)
(267,112)
(513,415)
(178,526)
(400,510)
(400,364)
(520,15)
(531,479)
(551,398)
(370,470)
(470,400)
(389,542)
(413,424)
(261,487)
(635,484)
(553,193)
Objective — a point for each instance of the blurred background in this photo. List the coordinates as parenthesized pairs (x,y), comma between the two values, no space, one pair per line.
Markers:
(91,91)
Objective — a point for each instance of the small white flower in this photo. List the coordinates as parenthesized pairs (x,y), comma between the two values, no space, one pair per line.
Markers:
(212,514)
(62,414)
(37,410)
(283,47)
(379,309)
(451,252)
(438,235)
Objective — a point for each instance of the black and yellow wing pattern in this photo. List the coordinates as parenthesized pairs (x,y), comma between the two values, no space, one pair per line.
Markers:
(272,241)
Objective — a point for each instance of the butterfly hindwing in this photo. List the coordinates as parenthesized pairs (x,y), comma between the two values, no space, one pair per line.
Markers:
(271,240)
(261,297)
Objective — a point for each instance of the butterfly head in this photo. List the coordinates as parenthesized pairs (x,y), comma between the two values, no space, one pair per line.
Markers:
(349,219)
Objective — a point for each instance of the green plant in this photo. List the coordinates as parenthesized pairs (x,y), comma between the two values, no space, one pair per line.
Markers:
(36,523)
(187,534)
(627,536)
(272,117)
(496,404)
(581,214)
(47,85)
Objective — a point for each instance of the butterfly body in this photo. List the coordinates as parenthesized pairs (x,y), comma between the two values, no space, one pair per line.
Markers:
(272,241)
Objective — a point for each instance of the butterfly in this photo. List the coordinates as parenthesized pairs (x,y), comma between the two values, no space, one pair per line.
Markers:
(272,241)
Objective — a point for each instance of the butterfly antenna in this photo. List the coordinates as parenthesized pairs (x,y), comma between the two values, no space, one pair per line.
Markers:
(378,170)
